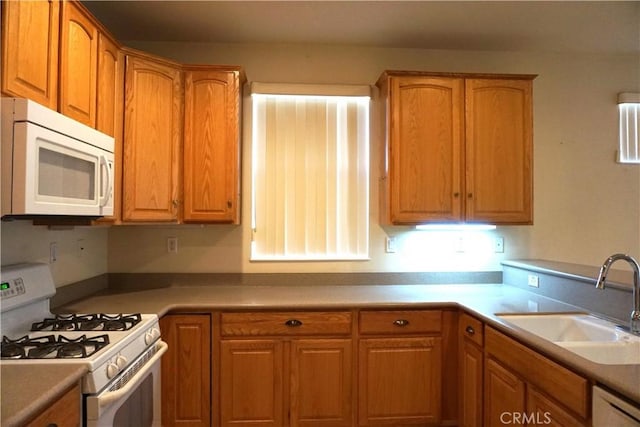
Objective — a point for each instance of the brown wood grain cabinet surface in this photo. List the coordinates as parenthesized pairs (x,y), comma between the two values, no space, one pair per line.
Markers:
(504,394)
(78,63)
(152,140)
(499,150)
(286,369)
(540,378)
(361,367)
(30,33)
(399,368)
(110,111)
(471,366)
(459,148)
(64,412)
(186,370)
(399,381)
(212,103)
(426,116)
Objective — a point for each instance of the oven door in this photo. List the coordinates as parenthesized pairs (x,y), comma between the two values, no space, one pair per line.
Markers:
(133,399)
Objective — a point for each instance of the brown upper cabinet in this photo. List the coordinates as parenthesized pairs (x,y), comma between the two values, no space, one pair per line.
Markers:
(78,63)
(110,109)
(458,149)
(152,139)
(176,173)
(30,31)
(212,144)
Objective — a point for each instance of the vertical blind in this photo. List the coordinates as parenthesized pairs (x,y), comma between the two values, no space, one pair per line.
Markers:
(310,175)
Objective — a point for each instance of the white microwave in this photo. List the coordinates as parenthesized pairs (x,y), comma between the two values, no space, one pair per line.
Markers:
(53,165)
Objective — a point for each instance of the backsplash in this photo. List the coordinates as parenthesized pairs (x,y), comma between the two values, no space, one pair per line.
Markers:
(574,284)
(81,252)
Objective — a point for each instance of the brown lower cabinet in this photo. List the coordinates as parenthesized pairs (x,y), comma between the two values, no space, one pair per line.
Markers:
(65,412)
(186,370)
(523,387)
(470,366)
(432,367)
(286,369)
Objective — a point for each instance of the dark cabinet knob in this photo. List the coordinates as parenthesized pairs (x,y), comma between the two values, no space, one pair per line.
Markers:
(293,323)
(401,322)
(469,329)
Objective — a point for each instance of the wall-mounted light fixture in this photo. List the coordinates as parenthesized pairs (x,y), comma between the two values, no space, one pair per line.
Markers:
(629,127)
(456,227)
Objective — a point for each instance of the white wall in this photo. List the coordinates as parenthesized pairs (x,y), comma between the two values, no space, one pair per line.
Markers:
(585,205)
(81,251)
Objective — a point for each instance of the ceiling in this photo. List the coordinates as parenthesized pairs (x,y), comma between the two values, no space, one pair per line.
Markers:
(557,26)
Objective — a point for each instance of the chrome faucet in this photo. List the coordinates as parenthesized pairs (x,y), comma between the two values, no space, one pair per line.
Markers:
(634,325)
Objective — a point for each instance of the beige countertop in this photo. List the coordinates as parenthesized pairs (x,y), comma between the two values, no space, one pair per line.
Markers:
(482,300)
(29,389)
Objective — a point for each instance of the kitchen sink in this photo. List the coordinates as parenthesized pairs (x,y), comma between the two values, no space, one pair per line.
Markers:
(608,353)
(587,336)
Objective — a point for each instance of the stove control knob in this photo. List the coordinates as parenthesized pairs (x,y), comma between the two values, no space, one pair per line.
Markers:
(112,370)
(121,361)
(151,335)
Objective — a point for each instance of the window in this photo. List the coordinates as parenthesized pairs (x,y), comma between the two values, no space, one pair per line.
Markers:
(629,127)
(310,172)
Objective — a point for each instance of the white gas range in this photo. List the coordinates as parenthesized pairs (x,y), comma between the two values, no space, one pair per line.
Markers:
(121,351)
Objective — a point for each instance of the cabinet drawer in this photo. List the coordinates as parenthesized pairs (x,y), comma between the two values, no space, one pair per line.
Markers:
(568,388)
(65,412)
(286,323)
(471,328)
(400,322)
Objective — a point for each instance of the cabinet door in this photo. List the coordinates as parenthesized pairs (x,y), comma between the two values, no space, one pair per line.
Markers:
(212,146)
(321,392)
(251,389)
(542,410)
(78,63)
(471,367)
(186,370)
(426,134)
(30,50)
(499,146)
(152,140)
(109,112)
(399,381)
(504,395)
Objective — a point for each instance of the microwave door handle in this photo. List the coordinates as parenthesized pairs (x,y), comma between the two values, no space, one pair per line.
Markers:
(104,199)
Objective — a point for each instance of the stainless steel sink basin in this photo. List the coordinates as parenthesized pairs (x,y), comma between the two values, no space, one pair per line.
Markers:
(587,336)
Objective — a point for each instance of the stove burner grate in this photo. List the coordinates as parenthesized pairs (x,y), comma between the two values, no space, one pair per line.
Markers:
(88,322)
(52,347)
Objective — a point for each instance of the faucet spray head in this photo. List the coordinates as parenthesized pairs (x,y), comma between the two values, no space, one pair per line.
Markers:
(602,276)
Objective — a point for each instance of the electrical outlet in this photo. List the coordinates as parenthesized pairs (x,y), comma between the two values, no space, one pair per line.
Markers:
(533,281)
(172,245)
(390,246)
(498,245)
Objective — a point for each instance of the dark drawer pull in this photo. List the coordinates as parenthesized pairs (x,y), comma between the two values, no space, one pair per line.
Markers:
(293,323)
(469,329)
(401,322)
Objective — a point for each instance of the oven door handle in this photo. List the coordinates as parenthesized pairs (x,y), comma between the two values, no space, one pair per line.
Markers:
(105,400)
